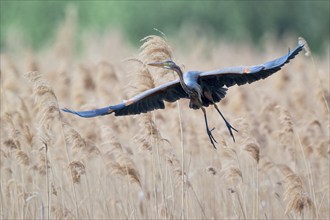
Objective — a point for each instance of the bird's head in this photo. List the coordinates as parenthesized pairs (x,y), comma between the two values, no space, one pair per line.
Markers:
(168,64)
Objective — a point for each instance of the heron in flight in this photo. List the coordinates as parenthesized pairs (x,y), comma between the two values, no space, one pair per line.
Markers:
(202,88)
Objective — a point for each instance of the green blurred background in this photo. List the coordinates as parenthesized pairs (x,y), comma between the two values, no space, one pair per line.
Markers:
(37,21)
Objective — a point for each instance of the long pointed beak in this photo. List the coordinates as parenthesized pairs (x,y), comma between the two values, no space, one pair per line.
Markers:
(158,64)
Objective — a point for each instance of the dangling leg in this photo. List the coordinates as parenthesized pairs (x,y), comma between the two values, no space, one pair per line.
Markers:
(209,132)
(227,123)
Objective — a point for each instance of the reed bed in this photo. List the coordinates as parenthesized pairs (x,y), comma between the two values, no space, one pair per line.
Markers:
(160,165)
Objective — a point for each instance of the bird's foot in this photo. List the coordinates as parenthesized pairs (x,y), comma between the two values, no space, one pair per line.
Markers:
(230,130)
(212,139)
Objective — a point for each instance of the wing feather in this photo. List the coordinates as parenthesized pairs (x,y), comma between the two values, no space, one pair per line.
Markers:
(146,101)
(246,74)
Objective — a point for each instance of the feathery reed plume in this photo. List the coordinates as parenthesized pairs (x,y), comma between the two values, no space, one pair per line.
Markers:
(323,96)
(233,175)
(287,131)
(302,41)
(322,93)
(54,190)
(22,157)
(42,164)
(117,160)
(286,121)
(149,134)
(141,79)
(28,134)
(265,164)
(294,193)
(81,149)
(254,150)
(323,149)
(9,187)
(73,138)
(231,171)
(175,164)
(77,169)
(10,143)
(46,100)
(212,170)
(154,49)
(60,212)
(14,132)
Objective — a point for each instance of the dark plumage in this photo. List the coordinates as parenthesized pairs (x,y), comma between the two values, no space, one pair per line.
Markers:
(202,88)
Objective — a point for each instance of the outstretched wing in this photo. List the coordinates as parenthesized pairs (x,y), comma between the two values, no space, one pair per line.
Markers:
(246,74)
(144,102)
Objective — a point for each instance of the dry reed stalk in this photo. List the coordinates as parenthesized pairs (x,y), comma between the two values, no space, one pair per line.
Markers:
(81,153)
(253,149)
(148,134)
(154,49)
(232,175)
(48,128)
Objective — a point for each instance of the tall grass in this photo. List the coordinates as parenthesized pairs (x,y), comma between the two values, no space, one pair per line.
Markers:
(160,164)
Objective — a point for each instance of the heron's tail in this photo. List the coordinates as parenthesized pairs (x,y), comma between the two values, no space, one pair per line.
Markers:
(90,113)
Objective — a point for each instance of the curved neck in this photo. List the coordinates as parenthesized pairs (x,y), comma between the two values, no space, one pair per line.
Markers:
(183,84)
